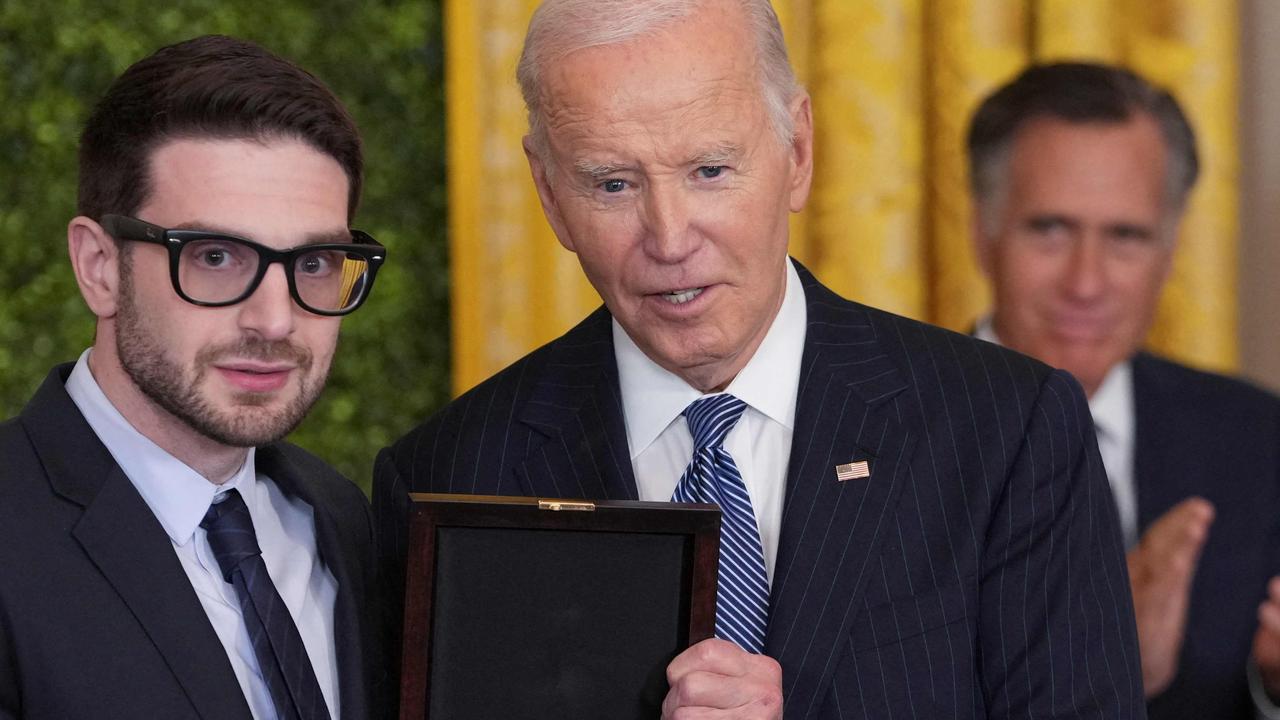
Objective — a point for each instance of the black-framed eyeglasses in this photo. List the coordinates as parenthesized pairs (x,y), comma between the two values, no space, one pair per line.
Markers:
(215,269)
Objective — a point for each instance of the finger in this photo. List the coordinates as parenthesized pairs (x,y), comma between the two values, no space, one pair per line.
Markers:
(710,690)
(692,713)
(1184,521)
(712,655)
(1266,644)
(1177,536)
(718,674)
(755,694)
(1136,560)
(1269,617)
(703,713)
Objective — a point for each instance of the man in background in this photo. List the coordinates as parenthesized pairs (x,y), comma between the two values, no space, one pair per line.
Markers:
(914,523)
(162,554)
(1080,176)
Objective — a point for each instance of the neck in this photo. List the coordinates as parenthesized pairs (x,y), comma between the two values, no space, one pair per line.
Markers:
(707,380)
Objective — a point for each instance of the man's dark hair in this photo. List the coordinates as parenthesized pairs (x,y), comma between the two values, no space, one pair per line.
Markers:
(209,87)
(1077,93)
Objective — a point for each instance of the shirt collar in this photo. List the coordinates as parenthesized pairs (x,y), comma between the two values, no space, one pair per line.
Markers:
(652,397)
(1112,403)
(177,495)
(986,330)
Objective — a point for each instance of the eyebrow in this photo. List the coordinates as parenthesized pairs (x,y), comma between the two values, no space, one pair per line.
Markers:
(319,238)
(1051,218)
(1130,228)
(598,171)
(720,155)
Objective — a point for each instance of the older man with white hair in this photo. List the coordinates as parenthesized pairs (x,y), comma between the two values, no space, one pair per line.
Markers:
(916,524)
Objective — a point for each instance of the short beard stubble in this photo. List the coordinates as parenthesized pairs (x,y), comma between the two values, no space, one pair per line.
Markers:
(176,389)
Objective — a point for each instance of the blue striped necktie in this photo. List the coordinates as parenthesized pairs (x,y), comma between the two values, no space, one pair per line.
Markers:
(742,600)
(282,658)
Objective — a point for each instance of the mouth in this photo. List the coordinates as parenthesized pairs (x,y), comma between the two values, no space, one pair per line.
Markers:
(1081,328)
(680,297)
(255,377)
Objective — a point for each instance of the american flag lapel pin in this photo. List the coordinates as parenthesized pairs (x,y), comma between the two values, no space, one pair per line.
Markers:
(853,471)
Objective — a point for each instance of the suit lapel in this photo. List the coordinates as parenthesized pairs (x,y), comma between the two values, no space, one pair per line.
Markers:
(334,551)
(128,545)
(831,529)
(577,406)
(130,548)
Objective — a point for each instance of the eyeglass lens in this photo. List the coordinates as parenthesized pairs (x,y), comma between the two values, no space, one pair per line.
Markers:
(218,270)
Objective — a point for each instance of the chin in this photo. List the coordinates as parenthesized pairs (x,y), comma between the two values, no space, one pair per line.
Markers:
(252,428)
(692,355)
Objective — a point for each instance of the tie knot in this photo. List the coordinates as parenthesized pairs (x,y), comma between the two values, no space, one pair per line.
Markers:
(711,418)
(230,530)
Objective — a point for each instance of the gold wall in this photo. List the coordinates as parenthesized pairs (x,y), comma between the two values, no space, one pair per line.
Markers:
(888,223)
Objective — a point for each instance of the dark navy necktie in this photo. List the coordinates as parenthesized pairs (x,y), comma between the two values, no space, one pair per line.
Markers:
(742,598)
(282,658)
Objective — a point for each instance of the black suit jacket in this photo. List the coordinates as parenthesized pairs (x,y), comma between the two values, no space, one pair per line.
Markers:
(977,573)
(1207,435)
(97,616)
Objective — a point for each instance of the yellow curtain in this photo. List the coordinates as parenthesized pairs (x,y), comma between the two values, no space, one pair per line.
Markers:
(893,85)
(512,286)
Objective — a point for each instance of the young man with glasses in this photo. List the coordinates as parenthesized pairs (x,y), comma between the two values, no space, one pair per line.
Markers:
(162,554)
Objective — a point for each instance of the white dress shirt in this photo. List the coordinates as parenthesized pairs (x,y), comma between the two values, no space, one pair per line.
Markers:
(654,399)
(1113,421)
(179,498)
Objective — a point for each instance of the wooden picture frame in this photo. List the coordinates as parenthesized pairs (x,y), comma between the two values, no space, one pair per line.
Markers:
(519,607)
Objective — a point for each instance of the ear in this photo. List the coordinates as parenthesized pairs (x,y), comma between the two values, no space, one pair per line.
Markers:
(1171,240)
(550,208)
(982,250)
(801,151)
(95,258)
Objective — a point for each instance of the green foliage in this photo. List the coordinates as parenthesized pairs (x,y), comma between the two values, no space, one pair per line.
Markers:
(384,59)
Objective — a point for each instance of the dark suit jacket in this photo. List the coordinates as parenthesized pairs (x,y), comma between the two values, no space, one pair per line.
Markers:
(98,618)
(977,573)
(1207,435)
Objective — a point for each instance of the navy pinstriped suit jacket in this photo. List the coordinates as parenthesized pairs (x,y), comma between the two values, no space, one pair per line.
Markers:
(1207,435)
(977,573)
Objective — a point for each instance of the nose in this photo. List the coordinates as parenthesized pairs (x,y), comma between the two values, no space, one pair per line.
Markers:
(666,220)
(269,312)
(1086,276)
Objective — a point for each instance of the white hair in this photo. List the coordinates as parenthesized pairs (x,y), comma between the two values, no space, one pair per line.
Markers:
(561,27)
